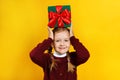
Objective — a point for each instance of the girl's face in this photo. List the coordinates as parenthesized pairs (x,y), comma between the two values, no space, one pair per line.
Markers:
(61,41)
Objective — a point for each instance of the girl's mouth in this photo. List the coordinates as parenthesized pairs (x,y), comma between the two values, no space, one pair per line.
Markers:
(61,48)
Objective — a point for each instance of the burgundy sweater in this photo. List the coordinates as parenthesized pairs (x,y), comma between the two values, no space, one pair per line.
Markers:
(78,57)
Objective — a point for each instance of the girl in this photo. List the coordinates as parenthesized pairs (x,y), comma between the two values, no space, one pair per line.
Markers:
(61,64)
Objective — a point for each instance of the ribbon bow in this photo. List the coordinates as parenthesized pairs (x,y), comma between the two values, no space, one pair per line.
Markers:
(59,17)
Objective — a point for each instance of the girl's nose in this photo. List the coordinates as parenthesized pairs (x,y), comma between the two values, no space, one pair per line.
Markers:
(62,43)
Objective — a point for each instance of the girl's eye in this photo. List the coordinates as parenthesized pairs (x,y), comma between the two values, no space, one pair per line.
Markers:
(57,40)
(66,40)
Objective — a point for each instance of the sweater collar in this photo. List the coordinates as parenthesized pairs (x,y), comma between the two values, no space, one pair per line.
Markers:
(56,54)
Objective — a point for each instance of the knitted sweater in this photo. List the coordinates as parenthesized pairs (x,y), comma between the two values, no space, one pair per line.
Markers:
(42,59)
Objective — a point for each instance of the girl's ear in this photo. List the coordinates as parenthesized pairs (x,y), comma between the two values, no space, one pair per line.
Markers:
(52,45)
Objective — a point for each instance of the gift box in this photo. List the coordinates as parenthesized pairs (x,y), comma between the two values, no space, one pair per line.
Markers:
(59,16)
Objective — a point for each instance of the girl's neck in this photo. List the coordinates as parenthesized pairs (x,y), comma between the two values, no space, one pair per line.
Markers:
(56,54)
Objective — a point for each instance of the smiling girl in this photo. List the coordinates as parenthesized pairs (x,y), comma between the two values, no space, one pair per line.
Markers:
(61,64)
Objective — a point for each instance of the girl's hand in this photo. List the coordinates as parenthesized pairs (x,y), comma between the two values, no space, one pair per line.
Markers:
(50,33)
(71,31)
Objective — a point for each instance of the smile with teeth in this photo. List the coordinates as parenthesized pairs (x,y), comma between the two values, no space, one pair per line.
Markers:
(61,48)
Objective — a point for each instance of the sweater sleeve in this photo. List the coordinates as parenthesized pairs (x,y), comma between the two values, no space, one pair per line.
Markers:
(37,55)
(81,54)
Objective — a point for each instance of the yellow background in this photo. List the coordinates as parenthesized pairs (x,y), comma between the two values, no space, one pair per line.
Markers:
(23,24)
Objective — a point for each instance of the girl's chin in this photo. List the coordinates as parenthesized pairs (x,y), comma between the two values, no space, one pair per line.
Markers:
(62,52)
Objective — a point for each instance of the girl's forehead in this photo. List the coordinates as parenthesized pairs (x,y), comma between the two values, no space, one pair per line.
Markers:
(63,34)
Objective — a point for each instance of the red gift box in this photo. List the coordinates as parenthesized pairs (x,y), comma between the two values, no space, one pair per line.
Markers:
(59,16)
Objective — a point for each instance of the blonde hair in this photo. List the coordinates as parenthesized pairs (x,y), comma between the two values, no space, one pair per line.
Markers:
(70,65)
(54,61)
